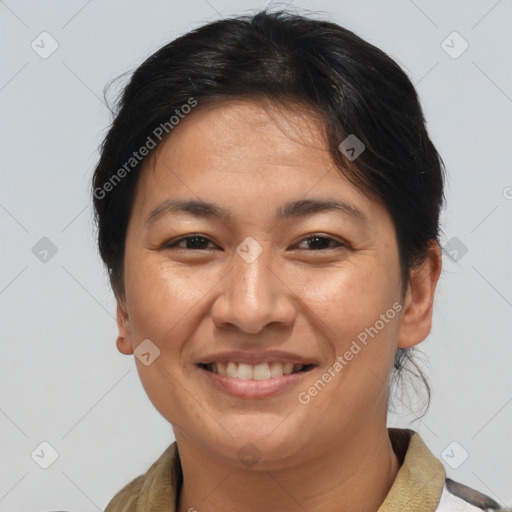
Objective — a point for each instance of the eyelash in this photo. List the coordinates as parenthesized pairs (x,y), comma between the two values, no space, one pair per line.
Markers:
(173,245)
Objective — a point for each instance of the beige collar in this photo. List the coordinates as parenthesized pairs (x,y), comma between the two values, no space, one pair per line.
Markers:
(417,486)
(419,482)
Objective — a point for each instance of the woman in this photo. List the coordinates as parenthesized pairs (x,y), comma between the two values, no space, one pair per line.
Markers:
(268,206)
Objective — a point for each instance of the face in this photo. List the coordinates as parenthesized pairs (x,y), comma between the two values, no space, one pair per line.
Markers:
(265,270)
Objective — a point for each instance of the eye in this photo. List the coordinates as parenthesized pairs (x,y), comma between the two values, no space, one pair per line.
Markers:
(198,243)
(319,243)
(194,242)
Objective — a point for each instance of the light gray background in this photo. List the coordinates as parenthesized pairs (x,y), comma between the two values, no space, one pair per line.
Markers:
(62,380)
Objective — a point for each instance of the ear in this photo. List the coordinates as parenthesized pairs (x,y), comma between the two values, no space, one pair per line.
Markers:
(416,320)
(124,337)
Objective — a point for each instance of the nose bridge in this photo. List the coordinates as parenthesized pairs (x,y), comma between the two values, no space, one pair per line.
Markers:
(253,272)
(253,296)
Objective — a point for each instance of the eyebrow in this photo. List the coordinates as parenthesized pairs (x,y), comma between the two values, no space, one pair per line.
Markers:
(294,209)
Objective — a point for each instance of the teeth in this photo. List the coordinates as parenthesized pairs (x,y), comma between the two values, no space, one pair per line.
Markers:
(263,371)
(231,370)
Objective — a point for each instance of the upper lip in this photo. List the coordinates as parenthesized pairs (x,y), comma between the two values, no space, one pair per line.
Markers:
(253,358)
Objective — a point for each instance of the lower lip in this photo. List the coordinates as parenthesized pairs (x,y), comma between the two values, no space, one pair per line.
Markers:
(253,388)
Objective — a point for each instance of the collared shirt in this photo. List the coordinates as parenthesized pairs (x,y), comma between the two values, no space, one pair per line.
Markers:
(420,484)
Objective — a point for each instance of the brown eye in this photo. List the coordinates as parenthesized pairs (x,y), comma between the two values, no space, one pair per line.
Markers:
(195,242)
(319,243)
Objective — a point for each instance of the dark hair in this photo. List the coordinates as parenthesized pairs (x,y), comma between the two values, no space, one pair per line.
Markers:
(354,87)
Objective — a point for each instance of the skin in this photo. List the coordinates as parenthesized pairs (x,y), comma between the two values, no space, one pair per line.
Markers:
(333,453)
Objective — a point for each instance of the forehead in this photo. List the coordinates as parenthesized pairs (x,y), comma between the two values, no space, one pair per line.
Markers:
(243,149)
(236,131)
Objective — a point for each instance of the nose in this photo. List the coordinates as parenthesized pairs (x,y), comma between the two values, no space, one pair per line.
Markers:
(254,296)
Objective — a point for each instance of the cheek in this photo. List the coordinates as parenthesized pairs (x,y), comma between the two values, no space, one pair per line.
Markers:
(165,307)
(162,297)
(362,344)
(354,309)
(349,299)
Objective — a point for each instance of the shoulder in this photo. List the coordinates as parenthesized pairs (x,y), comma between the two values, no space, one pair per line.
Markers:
(156,489)
(457,497)
(421,483)
(126,499)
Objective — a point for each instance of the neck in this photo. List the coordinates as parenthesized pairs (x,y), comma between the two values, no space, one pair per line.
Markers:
(354,474)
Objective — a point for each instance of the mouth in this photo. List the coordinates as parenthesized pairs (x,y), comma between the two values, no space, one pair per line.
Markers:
(258,372)
(253,381)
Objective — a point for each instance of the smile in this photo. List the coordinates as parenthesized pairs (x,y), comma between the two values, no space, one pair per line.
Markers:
(248,381)
(262,371)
